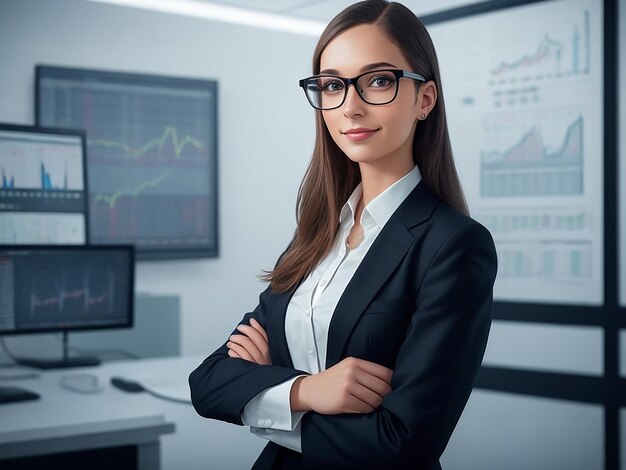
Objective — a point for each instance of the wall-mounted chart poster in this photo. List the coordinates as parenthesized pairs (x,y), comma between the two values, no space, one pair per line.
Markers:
(523,89)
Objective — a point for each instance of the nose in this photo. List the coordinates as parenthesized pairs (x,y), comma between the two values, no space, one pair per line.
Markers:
(353,105)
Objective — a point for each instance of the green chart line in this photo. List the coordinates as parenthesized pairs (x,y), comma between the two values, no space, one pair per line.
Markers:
(158,142)
(111,200)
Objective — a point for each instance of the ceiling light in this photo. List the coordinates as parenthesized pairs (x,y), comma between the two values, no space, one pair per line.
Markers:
(227,14)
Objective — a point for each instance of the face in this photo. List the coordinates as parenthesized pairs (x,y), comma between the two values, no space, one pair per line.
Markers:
(393,123)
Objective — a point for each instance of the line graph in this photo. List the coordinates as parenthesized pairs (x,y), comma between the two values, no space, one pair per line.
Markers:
(548,47)
(63,291)
(170,133)
(530,167)
(152,154)
(568,55)
(111,199)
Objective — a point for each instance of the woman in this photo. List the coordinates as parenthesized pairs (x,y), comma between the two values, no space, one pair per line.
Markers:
(364,349)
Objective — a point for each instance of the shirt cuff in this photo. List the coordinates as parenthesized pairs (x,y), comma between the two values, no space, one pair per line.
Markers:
(289,439)
(271,409)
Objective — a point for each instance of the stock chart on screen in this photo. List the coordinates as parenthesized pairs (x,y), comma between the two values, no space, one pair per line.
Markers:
(42,190)
(151,156)
(46,288)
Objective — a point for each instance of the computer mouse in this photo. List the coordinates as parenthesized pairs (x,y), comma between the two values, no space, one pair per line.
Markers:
(127,385)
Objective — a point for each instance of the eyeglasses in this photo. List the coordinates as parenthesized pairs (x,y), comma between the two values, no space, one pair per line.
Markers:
(327,91)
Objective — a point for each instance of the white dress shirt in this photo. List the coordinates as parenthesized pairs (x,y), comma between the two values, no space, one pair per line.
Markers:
(311,308)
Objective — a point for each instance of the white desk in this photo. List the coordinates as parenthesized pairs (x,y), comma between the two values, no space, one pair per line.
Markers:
(65,421)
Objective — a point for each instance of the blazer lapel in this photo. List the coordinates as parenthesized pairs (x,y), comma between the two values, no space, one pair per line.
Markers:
(384,255)
(275,323)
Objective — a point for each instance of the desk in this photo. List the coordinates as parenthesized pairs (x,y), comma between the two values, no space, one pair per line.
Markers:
(65,421)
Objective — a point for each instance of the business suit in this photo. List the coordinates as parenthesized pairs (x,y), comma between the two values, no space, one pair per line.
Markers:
(420,304)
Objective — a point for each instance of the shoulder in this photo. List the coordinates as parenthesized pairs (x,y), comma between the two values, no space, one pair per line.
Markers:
(442,219)
(449,221)
(448,228)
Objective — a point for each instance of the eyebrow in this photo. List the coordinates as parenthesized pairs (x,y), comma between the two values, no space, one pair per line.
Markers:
(364,68)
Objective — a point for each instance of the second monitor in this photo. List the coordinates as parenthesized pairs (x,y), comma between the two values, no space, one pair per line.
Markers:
(65,288)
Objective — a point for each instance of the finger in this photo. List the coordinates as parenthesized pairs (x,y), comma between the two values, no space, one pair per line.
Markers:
(373,383)
(254,335)
(366,395)
(232,353)
(241,351)
(377,370)
(356,405)
(249,346)
(257,326)
(257,339)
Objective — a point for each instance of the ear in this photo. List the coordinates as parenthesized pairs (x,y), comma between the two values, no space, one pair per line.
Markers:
(426,99)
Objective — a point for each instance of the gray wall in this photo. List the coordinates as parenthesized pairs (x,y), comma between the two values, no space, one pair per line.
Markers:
(259,173)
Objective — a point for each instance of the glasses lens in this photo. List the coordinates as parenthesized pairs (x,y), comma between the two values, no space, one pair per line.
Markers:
(378,87)
(324,92)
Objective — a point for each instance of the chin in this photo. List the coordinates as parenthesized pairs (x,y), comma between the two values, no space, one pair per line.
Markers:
(363,159)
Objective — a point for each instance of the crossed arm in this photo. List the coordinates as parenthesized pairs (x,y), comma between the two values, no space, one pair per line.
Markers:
(358,422)
(351,386)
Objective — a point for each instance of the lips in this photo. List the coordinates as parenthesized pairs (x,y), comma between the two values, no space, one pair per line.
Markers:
(359,133)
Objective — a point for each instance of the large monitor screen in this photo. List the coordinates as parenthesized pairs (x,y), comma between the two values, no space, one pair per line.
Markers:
(42,191)
(523,90)
(65,288)
(152,156)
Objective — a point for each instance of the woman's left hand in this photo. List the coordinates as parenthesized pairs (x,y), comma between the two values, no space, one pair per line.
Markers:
(251,345)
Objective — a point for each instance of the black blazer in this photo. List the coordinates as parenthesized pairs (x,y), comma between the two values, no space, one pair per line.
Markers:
(419,303)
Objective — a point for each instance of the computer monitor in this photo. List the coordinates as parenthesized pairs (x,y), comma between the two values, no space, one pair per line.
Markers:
(43,198)
(65,288)
(152,155)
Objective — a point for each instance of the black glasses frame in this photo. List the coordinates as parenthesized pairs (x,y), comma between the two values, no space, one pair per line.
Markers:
(348,81)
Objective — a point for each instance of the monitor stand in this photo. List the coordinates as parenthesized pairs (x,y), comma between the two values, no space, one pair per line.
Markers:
(64,362)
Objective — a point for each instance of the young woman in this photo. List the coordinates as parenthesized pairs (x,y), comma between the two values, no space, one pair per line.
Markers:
(364,348)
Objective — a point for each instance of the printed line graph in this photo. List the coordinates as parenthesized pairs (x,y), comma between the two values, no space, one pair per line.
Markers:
(548,47)
(530,167)
(552,58)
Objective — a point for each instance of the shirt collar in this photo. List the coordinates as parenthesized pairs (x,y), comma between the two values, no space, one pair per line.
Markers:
(382,207)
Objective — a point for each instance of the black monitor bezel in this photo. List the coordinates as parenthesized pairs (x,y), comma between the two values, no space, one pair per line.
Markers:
(4,126)
(173,253)
(128,249)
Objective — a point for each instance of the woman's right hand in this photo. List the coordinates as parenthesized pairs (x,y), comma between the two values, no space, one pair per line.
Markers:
(351,386)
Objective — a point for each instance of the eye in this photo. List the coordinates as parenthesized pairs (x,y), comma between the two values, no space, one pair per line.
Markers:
(381,81)
(331,86)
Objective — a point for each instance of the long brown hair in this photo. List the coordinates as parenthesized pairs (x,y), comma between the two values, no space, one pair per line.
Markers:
(331,176)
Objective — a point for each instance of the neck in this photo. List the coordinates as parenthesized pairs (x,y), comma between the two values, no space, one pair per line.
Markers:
(376,178)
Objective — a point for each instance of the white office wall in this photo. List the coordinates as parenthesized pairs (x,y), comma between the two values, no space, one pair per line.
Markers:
(266,131)
(515,432)
(549,348)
